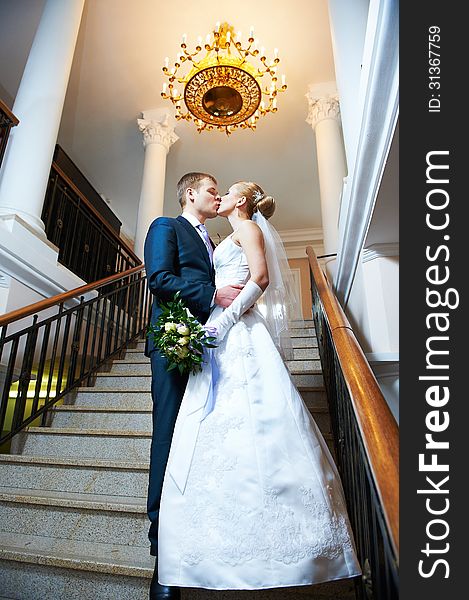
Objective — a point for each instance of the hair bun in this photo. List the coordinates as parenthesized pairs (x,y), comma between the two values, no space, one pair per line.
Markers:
(266,206)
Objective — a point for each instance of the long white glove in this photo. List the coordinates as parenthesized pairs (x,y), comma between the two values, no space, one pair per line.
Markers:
(231,315)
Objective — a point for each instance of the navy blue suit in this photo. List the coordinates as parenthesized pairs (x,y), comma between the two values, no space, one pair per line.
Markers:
(176,259)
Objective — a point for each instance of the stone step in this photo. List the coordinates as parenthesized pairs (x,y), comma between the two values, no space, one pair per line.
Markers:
(304,366)
(84,443)
(304,342)
(45,568)
(101,418)
(305,353)
(80,517)
(299,353)
(90,443)
(93,476)
(303,332)
(124,382)
(297,342)
(323,421)
(315,400)
(310,381)
(90,396)
(335,590)
(34,567)
(77,417)
(302,348)
(134,356)
(144,368)
(301,324)
(134,368)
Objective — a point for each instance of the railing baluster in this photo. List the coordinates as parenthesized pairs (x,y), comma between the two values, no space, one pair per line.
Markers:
(110,323)
(7,382)
(25,375)
(58,325)
(3,335)
(98,307)
(102,328)
(40,369)
(84,349)
(63,352)
(75,345)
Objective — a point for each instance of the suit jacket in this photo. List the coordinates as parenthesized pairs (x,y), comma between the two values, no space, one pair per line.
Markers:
(176,259)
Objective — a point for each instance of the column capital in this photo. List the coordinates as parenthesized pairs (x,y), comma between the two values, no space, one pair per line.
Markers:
(323,102)
(157,127)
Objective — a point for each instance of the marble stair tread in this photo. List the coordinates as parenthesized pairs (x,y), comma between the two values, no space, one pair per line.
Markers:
(90,396)
(84,432)
(100,409)
(95,502)
(301,323)
(133,561)
(303,332)
(342,589)
(122,382)
(297,342)
(85,463)
(142,369)
(83,475)
(85,443)
(303,362)
(295,333)
(304,366)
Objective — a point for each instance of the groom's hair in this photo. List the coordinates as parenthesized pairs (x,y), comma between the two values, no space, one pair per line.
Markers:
(191,180)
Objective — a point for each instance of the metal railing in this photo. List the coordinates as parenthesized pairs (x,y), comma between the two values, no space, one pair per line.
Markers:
(366,442)
(49,348)
(87,245)
(7,121)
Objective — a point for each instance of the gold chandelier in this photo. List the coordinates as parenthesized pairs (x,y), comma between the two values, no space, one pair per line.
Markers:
(223,90)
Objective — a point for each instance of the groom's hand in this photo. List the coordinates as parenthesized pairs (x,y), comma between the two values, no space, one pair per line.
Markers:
(225,295)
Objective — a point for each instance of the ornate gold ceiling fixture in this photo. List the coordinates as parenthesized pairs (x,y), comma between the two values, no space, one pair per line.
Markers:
(223,90)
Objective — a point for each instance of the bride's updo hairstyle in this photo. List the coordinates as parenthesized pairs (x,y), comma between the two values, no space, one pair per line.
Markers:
(256,199)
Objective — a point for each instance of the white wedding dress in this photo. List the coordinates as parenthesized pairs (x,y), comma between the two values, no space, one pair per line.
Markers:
(251,497)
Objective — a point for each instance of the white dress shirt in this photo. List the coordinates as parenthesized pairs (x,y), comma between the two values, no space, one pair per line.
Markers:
(194,221)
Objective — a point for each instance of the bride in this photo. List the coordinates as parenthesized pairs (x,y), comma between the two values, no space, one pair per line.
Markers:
(251,497)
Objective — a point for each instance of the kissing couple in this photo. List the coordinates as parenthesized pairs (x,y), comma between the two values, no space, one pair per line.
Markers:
(243,492)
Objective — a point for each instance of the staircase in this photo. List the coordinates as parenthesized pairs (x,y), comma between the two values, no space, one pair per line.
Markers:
(73,518)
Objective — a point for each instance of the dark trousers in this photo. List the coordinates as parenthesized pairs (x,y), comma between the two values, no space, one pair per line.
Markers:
(167,390)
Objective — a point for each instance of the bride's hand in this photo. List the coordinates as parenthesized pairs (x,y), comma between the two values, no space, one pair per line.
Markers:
(225,295)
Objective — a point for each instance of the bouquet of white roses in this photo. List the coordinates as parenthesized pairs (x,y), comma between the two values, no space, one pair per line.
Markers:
(180,337)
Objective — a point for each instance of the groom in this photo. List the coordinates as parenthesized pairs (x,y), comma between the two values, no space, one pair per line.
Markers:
(178,257)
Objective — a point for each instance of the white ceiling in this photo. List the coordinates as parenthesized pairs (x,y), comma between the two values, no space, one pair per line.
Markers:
(117,73)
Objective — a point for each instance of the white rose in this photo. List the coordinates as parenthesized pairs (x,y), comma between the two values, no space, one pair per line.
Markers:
(183,330)
(182,352)
(169,326)
(183,341)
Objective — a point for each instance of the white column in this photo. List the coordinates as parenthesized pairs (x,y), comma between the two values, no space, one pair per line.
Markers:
(157,127)
(38,105)
(324,117)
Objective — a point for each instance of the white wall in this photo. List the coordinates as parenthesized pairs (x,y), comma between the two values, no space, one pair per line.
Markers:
(348,29)
(373,312)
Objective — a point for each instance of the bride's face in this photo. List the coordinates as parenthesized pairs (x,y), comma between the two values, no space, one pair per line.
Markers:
(228,202)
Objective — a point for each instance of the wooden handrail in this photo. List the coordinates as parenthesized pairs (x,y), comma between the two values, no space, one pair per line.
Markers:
(96,213)
(4,108)
(32,309)
(377,425)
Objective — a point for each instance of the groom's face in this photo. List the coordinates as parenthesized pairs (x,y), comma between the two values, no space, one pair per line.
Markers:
(206,200)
